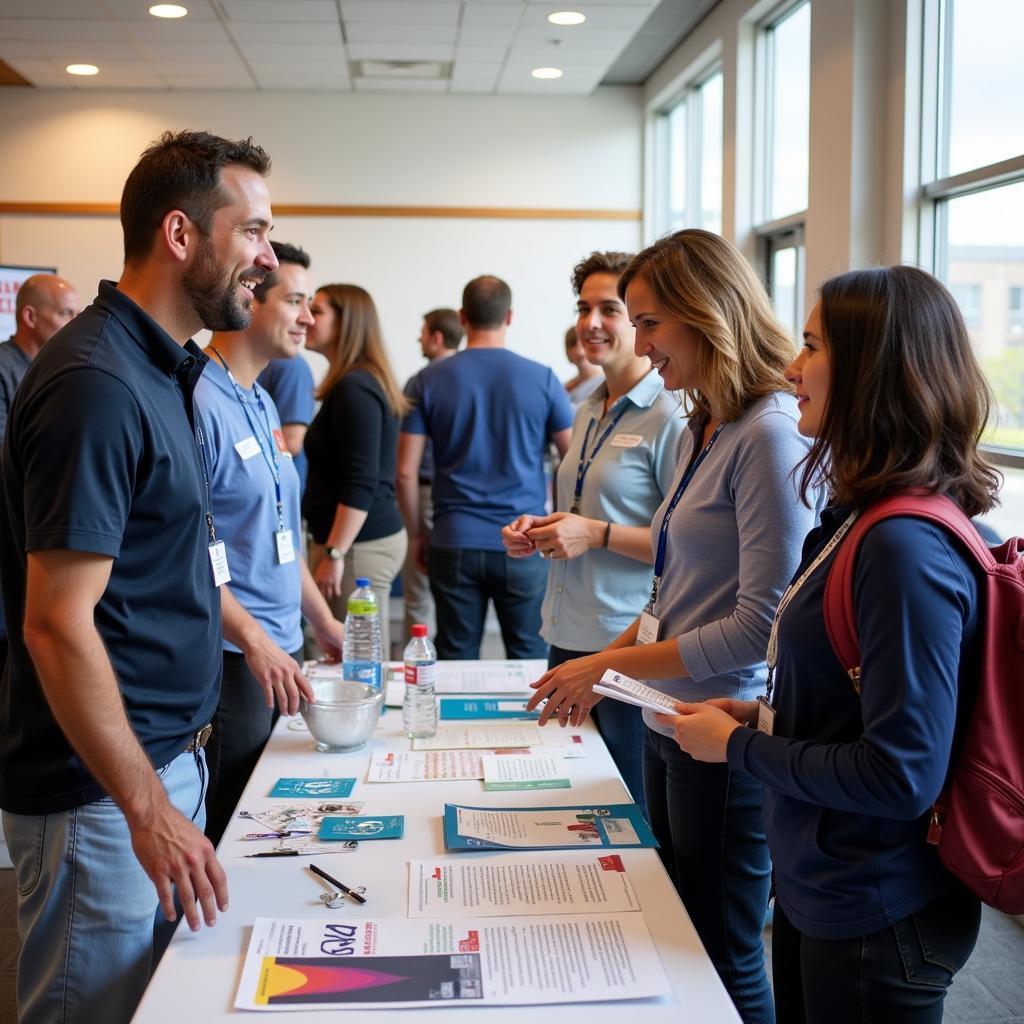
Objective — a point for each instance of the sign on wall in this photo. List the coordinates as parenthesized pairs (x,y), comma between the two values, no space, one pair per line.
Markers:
(11,278)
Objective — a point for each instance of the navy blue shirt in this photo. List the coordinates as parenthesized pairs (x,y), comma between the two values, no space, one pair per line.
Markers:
(490,414)
(289,382)
(100,457)
(849,780)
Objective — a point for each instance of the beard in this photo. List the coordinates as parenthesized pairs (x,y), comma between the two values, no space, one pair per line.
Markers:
(214,295)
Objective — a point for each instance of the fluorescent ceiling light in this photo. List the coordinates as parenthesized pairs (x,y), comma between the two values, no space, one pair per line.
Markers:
(567,18)
(168,11)
(82,69)
(546,72)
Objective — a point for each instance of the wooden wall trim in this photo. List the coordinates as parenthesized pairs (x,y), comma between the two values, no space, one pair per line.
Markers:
(319,210)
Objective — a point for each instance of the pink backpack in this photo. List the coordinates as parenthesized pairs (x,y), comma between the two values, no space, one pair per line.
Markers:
(978,821)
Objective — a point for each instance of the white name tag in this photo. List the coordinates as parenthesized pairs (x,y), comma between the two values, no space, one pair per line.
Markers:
(765,717)
(219,563)
(626,440)
(650,627)
(285,546)
(247,447)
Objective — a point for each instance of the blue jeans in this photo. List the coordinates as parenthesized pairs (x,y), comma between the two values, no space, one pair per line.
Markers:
(86,910)
(621,727)
(708,822)
(462,581)
(900,973)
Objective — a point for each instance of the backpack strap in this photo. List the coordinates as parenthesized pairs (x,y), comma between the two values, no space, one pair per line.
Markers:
(840,622)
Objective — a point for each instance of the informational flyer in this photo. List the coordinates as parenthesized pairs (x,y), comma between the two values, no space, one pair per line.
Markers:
(521,772)
(458,709)
(394,962)
(472,887)
(425,765)
(322,788)
(465,737)
(488,676)
(545,828)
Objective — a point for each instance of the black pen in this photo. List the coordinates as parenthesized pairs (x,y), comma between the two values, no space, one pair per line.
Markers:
(275,853)
(344,888)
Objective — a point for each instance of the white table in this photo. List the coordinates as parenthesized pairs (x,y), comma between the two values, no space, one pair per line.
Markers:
(198,976)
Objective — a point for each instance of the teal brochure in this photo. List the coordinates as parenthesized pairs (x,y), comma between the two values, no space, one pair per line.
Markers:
(313,787)
(364,827)
(621,826)
(460,709)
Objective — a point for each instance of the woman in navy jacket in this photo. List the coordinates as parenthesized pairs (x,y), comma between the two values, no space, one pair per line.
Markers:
(868,925)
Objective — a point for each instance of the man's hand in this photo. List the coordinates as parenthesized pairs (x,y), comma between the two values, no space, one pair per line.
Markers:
(177,856)
(277,673)
(329,636)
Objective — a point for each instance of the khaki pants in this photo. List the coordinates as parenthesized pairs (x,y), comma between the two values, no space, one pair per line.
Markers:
(381,561)
(419,604)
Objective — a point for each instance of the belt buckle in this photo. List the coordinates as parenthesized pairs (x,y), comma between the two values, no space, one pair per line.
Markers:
(200,739)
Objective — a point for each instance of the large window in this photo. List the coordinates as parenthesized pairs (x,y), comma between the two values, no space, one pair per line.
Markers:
(691,143)
(973,195)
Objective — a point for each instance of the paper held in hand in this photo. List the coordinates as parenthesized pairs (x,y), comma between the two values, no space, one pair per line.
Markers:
(630,691)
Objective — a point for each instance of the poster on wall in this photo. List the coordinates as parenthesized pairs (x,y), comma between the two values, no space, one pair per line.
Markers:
(11,278)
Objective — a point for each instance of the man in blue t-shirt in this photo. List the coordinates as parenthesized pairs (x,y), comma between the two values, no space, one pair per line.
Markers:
(289,382)
(110,566)
(489,414)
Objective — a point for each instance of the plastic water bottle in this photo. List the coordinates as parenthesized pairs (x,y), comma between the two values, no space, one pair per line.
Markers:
(361,653)
(419,709)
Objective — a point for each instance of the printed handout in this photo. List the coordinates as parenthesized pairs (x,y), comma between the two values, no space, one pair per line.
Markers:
(488,676)
(466,737)
(425,765)
(526,771)
(472,887)
(375,963)
(456,709)
(631,691)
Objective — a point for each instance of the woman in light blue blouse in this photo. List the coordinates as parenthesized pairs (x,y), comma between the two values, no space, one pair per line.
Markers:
(619,464)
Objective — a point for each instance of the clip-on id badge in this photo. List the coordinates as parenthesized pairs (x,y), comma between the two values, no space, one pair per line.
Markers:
(650,627)
(765,717)
(285,546)
(219,563)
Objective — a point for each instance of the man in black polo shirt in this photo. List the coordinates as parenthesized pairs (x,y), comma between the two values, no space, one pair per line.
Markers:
(110,576)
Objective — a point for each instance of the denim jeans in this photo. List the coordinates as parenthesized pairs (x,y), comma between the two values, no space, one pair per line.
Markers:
(708,821)
(900,973)
(87,911)
(621,727)
(462,581)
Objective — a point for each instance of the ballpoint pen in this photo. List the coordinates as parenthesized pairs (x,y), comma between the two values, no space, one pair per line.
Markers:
(275,853)
(344,888)
(278,835)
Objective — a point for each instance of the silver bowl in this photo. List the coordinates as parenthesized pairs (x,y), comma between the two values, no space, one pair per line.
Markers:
(345,714)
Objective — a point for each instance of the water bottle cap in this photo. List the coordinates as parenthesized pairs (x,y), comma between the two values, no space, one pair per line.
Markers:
(362,581)
(419,630)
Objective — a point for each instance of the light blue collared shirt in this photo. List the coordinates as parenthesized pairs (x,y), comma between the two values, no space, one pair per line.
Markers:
(590,600)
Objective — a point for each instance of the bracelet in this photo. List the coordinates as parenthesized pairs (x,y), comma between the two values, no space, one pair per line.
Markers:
(607,536)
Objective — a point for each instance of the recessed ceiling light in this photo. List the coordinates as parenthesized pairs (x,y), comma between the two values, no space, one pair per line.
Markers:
(546,72)
(567,18)
(168,11)
(82,69)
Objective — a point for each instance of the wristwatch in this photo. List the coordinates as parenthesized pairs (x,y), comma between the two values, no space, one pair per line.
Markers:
(334,554)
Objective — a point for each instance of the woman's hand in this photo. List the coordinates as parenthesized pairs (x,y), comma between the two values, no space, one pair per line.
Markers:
(744,711)
(565,535)
(568,690)
(327,576)
(513,536)
(703,730)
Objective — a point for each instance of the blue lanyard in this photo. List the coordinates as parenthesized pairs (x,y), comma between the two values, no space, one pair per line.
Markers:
(267,447)
(585,463)
(204,462)
(659,561)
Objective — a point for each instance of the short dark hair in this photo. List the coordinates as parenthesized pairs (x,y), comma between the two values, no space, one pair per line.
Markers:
(180,171)
(285,253)
(599,263)
(447,322)
(486,302)
(908,402)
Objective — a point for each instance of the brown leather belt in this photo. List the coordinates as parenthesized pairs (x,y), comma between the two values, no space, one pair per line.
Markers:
(199,739)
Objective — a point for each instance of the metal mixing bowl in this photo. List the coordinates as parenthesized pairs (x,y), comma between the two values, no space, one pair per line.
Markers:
(345,713)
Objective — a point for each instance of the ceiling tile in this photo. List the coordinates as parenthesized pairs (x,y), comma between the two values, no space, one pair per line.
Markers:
(275,10)
(478,15)
(306,84)
(205,68)
(401,85)
(400,51)
(478,85)
(53,9)
(41,28)
(189,83)
(169,33)
(487,37)
(211,52)
(471,69)
(401,12)
(481,53)
(284,32)
(375,32)
(58,49)
(301,52)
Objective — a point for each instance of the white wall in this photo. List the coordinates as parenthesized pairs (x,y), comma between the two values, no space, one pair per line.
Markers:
(406,150)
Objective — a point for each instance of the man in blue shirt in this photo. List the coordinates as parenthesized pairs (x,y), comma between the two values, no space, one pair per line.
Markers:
(254,494)
(111,564)
(490,414)
(289,382)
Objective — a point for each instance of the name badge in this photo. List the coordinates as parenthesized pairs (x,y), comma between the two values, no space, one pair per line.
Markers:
(219,563)
(247,447)
(650,627)
(285,546)
(281,444)
(626,440)
(765,717)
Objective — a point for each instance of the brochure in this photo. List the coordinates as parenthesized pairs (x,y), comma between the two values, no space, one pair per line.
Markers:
(488,676)
(457,709)
(545,828)
(485,887)
(630,691)
(386,827)
(455,737)
(320,788)
(425,765)
(529,771)
(394,962)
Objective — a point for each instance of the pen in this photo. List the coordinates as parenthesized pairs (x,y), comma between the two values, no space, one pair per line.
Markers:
(277,835)
(344,888)
(275,853)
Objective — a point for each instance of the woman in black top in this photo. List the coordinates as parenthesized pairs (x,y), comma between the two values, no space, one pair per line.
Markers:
(349,501)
